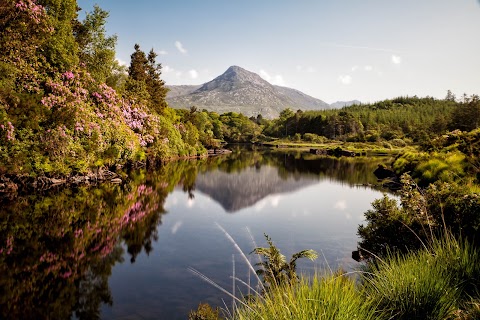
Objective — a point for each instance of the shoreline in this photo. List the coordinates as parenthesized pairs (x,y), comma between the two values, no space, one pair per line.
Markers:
(14,184)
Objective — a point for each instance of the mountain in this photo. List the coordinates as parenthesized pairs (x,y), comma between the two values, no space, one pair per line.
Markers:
(341,104)
(239,90)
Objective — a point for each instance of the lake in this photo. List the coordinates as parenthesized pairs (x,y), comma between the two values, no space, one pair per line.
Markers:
(127,251)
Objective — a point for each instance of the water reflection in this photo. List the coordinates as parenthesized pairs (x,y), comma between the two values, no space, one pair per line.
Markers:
(59,250)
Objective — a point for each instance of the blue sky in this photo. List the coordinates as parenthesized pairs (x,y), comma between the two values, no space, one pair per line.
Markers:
(331,49)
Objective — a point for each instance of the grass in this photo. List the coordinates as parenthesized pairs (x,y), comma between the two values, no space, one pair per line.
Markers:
(360,147)
(439,282)
(329,297)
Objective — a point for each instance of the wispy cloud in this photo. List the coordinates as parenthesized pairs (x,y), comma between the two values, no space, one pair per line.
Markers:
(368,68)
(276,79)
(167,69)
(193,74)
(345,79)
(180,47)
(354,68)
(308,69)
(337,45)
(396,59)
(162,52)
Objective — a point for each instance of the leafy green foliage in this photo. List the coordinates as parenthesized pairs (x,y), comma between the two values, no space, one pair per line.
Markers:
(275,270)
(57,114)
(332,297)
(204,312)
(96,49)
(437,282)
(423,214)
(430,284)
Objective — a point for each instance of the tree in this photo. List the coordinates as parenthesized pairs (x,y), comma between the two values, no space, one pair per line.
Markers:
(138,65)
(155,86)
(450,96)
(96,50)
(144,80)
(61,49)
(274,269)
(466,116)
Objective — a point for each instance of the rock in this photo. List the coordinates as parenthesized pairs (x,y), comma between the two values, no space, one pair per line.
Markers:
(383,173)
(357,255)
(8,187)
(339,152)
(213,152)
(322,152)
(54,181)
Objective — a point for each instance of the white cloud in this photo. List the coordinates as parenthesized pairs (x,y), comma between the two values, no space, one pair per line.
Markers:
(193,74)
(264,74)
(340,205)
(167,69)
(396,59)
(178,74)
(121,62)
(162,52)
(368,68)
(190,203)
(308,69)
(180,47)
(347,79)
(354,68)
(276,80)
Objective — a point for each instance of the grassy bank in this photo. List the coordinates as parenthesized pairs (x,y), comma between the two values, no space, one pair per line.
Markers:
(357,147)
(439,282)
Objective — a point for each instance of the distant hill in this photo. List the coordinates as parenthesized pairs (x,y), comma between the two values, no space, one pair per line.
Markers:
(341,104)
(242,91)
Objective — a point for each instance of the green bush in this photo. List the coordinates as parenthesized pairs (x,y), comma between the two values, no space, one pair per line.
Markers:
(204,312)
(429,284)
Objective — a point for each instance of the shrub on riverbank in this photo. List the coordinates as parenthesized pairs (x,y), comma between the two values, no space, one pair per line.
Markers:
(66,106)
(439,282)
(330,297)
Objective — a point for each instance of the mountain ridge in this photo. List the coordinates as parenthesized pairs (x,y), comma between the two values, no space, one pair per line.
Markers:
(242,91)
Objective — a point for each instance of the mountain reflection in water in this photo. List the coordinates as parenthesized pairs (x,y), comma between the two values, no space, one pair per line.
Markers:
(112,251)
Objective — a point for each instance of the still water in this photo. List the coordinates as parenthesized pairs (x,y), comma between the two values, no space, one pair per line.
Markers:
(124,251)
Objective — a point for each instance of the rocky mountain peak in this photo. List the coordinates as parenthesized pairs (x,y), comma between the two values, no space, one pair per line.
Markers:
(234,78)
(240,90)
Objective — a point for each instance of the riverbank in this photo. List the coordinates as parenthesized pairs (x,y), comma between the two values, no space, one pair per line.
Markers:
(438,282)
(10,184)
(360,148)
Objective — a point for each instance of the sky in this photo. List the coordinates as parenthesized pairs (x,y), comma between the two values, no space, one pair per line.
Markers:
(333,50)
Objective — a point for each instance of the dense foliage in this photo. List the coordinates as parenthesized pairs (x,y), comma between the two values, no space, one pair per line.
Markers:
(66,106)
(438,282)
(399,121)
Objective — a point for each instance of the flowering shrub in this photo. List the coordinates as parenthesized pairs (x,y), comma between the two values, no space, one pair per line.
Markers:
(55,121)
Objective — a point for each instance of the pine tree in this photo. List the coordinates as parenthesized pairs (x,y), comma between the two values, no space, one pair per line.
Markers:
(138,65)
(155,86)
